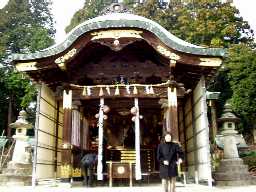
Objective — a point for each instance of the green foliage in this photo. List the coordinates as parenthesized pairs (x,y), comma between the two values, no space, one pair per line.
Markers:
(203,22)
(21,28)
(241,71)
(250,161)
(91,8)
(151,10)
(42,16)
(25,26)
(17,88)
(248,154)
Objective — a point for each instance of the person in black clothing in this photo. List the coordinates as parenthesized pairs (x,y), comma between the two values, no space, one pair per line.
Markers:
(87,164)
(169,154)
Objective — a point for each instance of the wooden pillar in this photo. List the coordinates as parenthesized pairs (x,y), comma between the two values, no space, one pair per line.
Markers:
(110,171)
(214,129)
(56,137)
(75,140)
(194,140)
(85,135)
(172,113)
(38,102)
(137,140)
(185,137)
(66,153)
(100,144)
(130,175)
(81,131)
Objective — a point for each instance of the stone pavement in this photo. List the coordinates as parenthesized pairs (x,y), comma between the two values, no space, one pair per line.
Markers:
(150,188)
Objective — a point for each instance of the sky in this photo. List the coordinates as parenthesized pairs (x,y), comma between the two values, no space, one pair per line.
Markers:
(63,10)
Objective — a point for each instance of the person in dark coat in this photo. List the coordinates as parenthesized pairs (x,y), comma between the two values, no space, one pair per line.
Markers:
(87,164)
(169,155)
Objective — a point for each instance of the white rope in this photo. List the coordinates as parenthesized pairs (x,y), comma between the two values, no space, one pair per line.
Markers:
(121,85)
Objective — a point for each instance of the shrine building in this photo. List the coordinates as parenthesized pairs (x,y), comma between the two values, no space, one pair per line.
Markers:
(114,87)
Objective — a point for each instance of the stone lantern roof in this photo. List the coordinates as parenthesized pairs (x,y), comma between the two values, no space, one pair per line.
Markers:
(21,122)
(228,115)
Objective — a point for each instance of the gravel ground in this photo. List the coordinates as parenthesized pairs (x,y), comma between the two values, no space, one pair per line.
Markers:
(150,188)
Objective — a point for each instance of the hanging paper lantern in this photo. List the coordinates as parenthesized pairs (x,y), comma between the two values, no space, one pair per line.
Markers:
(133,110)
(117,92)
(133,118)
(101,92)
(105,117)
(108,90)
(84,92)
(106,109)
(135,91)
(97,116)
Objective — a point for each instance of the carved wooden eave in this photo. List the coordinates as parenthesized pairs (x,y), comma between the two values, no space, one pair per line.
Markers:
(116,31)
(122,20)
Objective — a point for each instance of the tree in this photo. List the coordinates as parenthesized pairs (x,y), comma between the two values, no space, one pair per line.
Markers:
(203,22)
(91,8)
(23,29)
(25,26)
(41,14)
(241,71)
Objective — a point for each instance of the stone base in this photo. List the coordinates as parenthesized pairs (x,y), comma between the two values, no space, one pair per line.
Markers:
(12,180)
(16,174)
(233,172)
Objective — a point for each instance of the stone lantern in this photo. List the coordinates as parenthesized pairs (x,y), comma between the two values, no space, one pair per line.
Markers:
(19,169)
(232,171)
(20,155)
(229,120)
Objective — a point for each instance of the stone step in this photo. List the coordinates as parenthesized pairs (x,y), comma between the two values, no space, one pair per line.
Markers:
(224,176)
(253,180)
(235,183)
(233,165)
(231,162)
(12,165)
(15,176)
(20,171)
(11,180)
(3,179)
(234,169)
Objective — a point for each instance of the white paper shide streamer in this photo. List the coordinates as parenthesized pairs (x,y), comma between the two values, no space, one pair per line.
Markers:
(89,91)
(108,90)
(128,89)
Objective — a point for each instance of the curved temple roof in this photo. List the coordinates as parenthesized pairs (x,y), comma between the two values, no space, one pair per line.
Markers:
(123,20)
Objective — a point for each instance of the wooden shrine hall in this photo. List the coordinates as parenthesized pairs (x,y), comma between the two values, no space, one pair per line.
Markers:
(113,87)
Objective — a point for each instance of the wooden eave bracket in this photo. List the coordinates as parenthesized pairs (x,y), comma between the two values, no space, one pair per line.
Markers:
(210,62)
(29,66)
(61,61)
